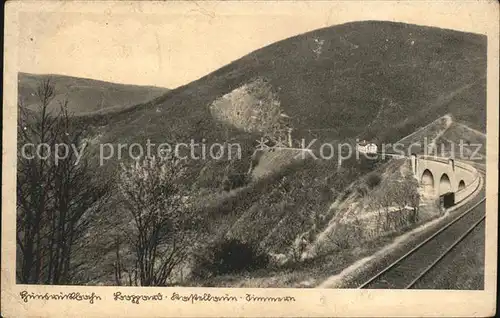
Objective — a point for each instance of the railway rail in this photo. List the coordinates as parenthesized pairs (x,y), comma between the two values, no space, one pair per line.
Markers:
(409,269)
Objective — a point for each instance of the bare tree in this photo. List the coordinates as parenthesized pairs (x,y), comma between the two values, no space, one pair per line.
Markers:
(398,205)
(55,199)
(407,198)
(163,226)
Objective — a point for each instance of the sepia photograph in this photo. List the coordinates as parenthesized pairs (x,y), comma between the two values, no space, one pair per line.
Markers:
(244,152)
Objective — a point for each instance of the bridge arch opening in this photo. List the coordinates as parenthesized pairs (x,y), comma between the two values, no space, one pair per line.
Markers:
(427,181)
(444,184)
(461,185)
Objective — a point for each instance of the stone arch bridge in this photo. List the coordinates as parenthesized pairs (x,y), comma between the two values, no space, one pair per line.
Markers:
(439,176)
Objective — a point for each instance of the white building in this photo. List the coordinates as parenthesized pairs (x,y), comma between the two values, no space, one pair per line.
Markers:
(366,147)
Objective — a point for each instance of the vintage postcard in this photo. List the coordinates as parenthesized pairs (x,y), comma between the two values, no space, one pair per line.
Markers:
(250,159)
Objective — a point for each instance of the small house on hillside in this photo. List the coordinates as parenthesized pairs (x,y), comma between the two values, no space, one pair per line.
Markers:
(366,147)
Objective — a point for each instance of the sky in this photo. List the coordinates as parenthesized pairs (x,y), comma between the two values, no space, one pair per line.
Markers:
(171,44)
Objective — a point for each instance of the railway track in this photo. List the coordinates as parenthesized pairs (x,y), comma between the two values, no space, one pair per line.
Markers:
(409,269)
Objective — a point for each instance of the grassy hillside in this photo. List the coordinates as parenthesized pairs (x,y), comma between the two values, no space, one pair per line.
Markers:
(87,95)
(474,143)
(445,135)
(341,215)
(361,79)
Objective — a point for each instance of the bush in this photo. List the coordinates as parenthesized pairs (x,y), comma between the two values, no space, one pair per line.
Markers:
(373,179)
(229,256)
(233,181)
(367,164)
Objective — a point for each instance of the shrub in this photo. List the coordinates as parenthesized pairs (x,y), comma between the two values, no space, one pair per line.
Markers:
(367,164)
(235,180)
(229,256)
(373,179)
(343,237)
